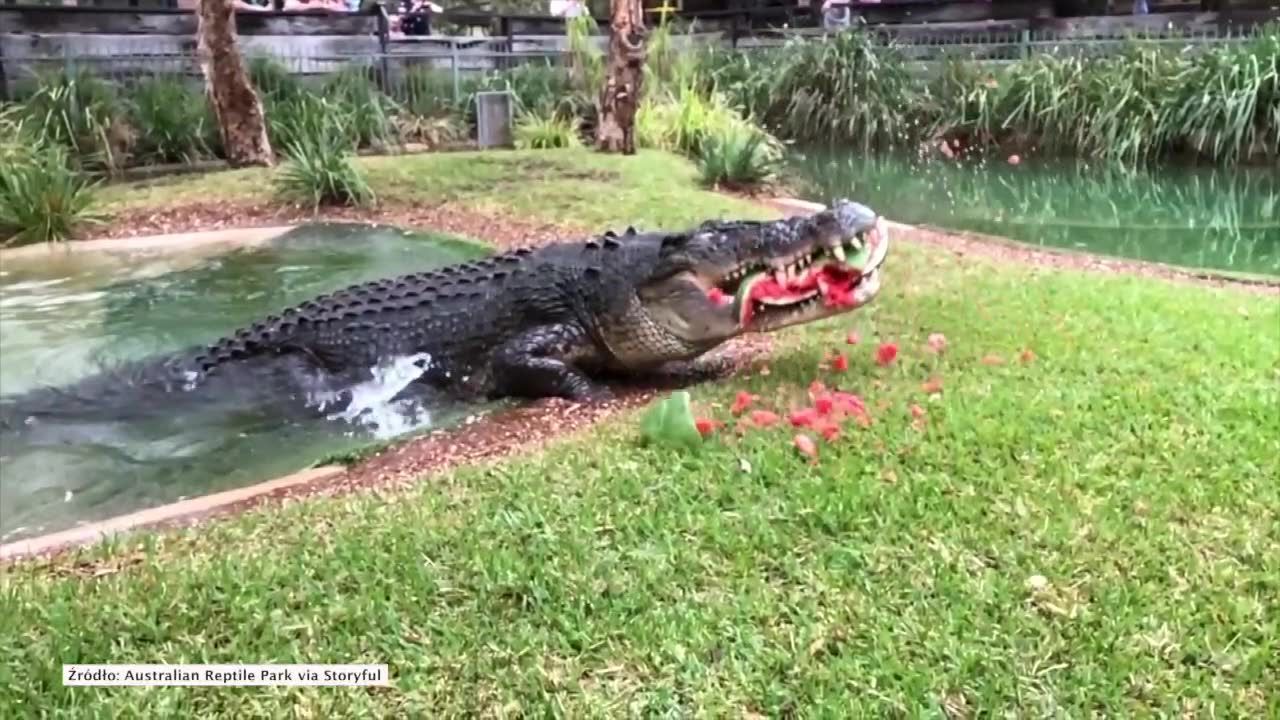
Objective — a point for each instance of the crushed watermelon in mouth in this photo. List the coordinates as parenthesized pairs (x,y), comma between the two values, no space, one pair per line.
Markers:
(836,285)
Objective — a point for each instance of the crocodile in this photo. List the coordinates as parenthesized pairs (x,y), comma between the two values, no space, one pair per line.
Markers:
(552,321)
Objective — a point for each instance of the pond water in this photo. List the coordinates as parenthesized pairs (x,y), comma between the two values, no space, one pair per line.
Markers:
(1220,219)
(62,315)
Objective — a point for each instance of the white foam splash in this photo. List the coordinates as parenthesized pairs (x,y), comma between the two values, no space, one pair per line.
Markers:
(371,404)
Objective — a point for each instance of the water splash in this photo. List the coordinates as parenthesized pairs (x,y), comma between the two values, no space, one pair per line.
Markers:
(373,404)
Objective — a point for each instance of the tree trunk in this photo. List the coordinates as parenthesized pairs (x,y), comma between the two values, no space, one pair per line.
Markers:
(235,102)
(620,96)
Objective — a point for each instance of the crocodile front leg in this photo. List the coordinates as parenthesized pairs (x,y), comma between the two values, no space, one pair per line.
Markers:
(539,363)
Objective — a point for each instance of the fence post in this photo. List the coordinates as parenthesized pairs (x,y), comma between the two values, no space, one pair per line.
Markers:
(453,68)
(4,80)
(1024,42)
(384,43)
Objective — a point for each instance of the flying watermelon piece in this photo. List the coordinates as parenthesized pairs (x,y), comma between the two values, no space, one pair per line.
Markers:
(670,422)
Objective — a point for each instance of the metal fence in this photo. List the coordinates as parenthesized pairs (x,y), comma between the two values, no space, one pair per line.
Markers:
(425,76)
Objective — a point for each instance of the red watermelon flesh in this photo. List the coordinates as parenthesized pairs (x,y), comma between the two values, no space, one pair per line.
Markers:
(836,283)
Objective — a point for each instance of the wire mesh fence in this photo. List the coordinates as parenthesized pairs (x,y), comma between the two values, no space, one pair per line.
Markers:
(425,76)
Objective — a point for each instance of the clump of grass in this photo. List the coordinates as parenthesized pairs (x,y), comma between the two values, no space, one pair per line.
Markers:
(845,87)
(367,109)
(546,132)
(42,198)
(1145,103)
(273,80)
(319,145)
(586,59)
(1228,102)
(680,121)
(739,157)
(433,132)
(429,93)
(84,115)
(173,120)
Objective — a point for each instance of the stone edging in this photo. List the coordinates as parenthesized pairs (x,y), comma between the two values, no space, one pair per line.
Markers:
(237,236)
(95,532)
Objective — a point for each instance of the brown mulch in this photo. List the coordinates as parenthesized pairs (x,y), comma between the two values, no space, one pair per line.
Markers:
(447,217)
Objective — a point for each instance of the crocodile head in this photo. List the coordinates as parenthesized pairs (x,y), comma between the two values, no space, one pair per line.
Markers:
(728,278)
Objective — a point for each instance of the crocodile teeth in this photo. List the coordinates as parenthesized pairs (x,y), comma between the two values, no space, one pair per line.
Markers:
(838,251)
(788,301)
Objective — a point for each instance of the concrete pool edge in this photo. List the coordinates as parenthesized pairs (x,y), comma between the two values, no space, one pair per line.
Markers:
(232,236)
(95,532)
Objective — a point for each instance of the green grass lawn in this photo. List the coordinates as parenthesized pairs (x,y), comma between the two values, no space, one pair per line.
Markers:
(1091,531)
(579,186)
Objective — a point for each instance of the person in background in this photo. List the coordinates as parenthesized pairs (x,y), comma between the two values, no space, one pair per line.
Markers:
(835,14)
(416,19)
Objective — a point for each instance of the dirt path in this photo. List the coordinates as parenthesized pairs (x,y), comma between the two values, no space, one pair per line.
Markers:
(447,217)
(531,426)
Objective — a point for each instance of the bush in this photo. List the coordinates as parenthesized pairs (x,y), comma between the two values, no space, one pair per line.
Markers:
(534,132)
(273,80)
(42,199)
(846,87)
(430,131)
(369,111)
(174,121)
(681,122)
(739,157)
(319,146)
(84,115)
(1142,104)
(429,93)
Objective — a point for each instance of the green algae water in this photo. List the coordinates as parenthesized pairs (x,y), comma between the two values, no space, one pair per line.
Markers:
(62,315)
(1205,218)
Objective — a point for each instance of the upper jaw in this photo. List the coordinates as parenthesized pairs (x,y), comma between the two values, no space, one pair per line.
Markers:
(853,223)
(863,256)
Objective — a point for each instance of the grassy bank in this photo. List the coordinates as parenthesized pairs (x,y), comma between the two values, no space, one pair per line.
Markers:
(1087,527)
(569,186)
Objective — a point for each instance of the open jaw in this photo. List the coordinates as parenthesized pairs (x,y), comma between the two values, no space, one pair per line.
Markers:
(823,282)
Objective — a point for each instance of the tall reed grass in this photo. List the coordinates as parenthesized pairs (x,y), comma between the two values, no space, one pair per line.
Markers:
(1148,102)
(1143,104)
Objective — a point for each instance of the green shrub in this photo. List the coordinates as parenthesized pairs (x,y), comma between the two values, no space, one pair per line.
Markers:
(535,132)
(845,87)
(429,93)
(319,145)
(84,115)
(273,80)
(173,120)
(680,122)
(1228,102)
(586,59)
(1147,102)
(309,118)
(738,157)
(430,131)
(538,89)
(42,198)
(369,111)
